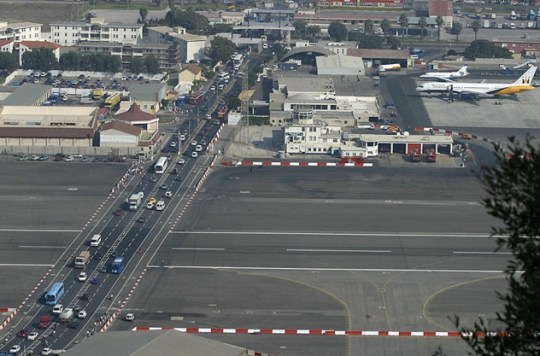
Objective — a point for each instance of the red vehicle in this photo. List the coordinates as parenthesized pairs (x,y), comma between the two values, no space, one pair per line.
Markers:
(23,333)
(196,98)
(222,112)
(44,322)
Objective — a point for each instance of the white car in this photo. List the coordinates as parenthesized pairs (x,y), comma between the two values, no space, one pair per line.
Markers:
(82,314)
(32,336)
(182,137)
(213,87)
(193,143)
(168,194)
(150,205)
(15,349)
(173,143)
(194,154)
(68,158)
(198,148)
(82,277)
(57,309)
(181,161)
(130,317)
(47,351)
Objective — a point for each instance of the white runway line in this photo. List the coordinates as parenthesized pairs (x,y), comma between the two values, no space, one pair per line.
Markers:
(351,251)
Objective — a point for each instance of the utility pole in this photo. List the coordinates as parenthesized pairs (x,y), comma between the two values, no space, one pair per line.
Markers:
(245,105)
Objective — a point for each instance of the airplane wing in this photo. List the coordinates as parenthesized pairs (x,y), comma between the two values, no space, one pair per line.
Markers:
(472,92)
(446,80)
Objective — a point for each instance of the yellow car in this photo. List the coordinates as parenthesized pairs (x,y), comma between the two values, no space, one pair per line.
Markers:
(152,200)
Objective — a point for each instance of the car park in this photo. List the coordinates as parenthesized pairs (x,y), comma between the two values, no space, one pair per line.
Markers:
(32,336)
(82,277)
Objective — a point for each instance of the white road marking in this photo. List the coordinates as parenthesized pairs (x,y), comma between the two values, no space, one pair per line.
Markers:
(389,234)
(245,192)
(24,265)
(480,253)
(352,251)
(199,248)
(308,269)
(35,230)
(52,247)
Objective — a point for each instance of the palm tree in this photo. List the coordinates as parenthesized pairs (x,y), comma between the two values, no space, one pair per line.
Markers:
(368,27)
(456,29)
(440,22)
(422,23)
(385,27)
(476,26)
(404,23)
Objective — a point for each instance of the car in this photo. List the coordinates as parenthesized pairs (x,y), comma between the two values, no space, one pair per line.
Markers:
(129,317)
(153,179)
(44,158)
(152,200)
(23,333)
(73,325)
(178,178)
(82,277)
(82,314)
(103,269)
(150,205)
(84,297)
(184,132)
(198,148)
(113,254)
(98,256)
(168,194)
(14,349)
(208,117)
(194,143)
(47,351)
(141,220)
(32,336)
(174,171)
(182,137)
(536,84)
(118,212)
(213,87)
(173,143)
(57,309)
(203,142)
(181,161)
(77,308)
(164,187)
(68,158)
(194,154)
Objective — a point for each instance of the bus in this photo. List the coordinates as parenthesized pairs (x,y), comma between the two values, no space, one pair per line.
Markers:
(161,165)
(55,293)
(117,265)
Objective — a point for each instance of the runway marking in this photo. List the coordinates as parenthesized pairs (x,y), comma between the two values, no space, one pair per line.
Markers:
(351,251)
(35,230)
(308,269)
(389,234)
(199,248)
(45,247)
(480,253)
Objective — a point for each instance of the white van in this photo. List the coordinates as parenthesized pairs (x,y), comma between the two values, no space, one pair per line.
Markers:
(95,241)
(57,310)
(160,205)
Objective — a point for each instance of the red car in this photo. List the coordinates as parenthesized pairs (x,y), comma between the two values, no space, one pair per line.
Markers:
(22,333)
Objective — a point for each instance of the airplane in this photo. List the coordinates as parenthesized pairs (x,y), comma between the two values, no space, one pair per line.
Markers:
(446,76)
(486,90)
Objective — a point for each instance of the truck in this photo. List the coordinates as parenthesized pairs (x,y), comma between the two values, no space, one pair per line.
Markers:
(513,15)
(113,100)
(66,315)
(82,260)
(98,93)
(135,201)
(383,68)
(196,98)
(487,24)
(44,322)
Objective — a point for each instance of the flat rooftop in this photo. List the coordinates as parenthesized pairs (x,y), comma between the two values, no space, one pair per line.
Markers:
(47,116)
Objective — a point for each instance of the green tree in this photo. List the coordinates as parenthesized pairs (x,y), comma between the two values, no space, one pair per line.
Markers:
(476,26)
(422,23)
(456,29)
(192,21)
(222,49)
(300,27)
(171,3)
(220,28)
(393,42)
(279,50)
(440,22)
(513,188)
(366,41)
(485,49)
(70,61)
(368,27)
(8,61)
(337,31)
(39,59)
(313,32)
(152,65)
(137,66)
(143,12)
(234,103)
(386,27)
(404,23)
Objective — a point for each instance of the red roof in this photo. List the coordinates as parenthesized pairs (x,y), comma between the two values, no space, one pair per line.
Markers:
(121,126)
(441,8)
(5,42)
(40,44)
(193,68)
(135,114)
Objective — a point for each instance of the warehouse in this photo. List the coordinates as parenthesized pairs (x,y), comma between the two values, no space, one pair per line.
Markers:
(340,65)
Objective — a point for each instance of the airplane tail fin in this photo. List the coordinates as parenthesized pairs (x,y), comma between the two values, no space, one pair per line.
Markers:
(463,70)
(527,77)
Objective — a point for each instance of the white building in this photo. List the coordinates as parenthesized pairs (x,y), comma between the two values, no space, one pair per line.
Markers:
(70,33)
(223,17)
(28,46)
(340,64)
(21,31)
(191,47)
